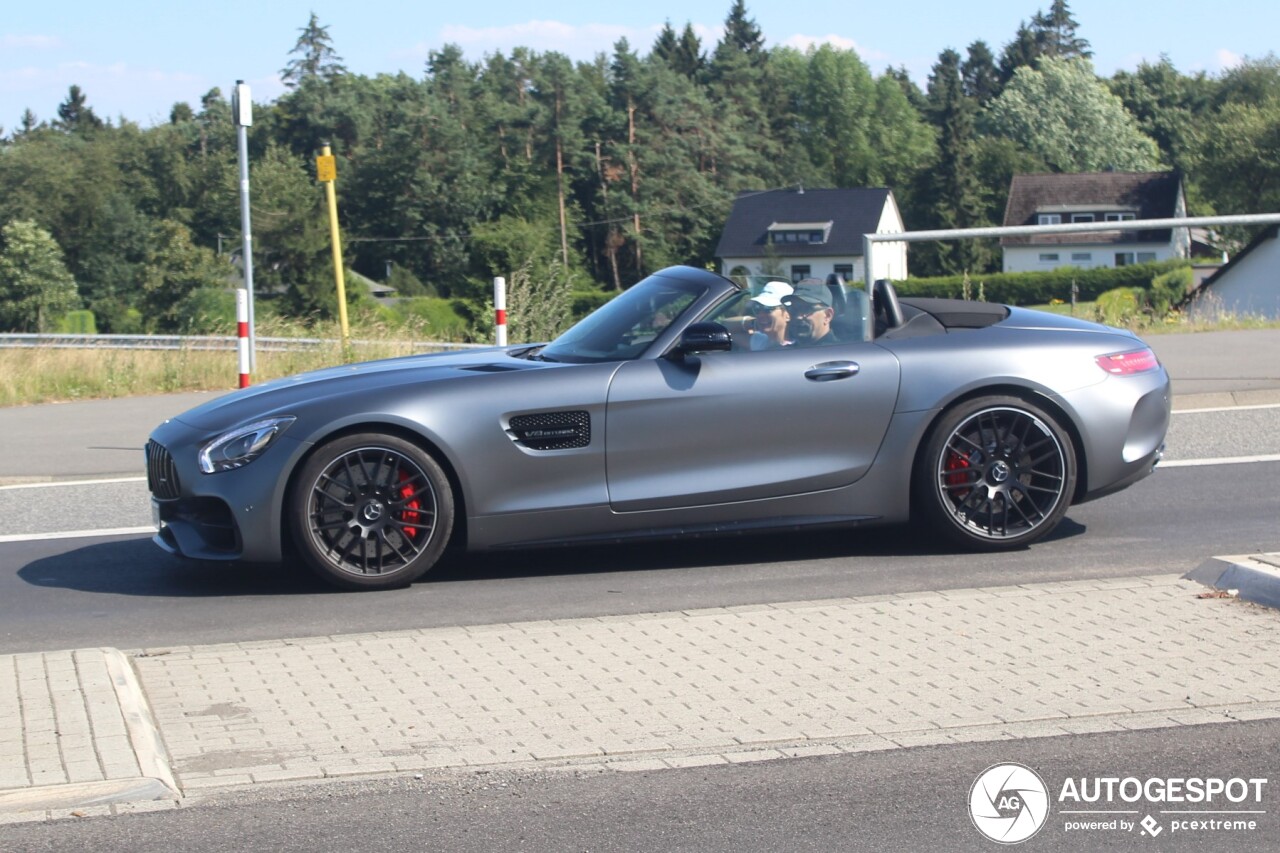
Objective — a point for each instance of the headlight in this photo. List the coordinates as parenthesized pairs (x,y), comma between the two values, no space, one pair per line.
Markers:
(242,445)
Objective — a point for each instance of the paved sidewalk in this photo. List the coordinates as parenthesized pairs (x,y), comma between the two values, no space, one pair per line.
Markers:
(679,689)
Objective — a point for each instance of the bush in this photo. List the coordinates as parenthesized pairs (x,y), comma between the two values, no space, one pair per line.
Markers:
(1121,307)
(208,311)
(440,317)
(1038,288)
(1169,289)
(78,323)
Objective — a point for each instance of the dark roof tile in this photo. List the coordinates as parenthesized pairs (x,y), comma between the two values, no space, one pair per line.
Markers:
(853,212)
(1150,195)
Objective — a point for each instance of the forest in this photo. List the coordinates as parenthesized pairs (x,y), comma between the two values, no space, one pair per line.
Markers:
(583,175)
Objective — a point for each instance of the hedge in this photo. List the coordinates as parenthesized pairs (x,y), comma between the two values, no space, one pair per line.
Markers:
(1038,288)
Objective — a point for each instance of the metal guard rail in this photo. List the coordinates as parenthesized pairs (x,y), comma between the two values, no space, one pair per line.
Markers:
(212,343)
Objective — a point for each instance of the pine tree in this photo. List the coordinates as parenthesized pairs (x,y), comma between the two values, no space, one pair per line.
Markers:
(75,115)
(1023,51)
(954,184)
(980,75)
(1055,33)
(316,57)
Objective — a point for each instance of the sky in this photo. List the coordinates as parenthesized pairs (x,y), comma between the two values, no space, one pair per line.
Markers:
(134,59)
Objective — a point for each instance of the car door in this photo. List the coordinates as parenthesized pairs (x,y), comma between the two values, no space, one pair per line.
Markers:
(736,426)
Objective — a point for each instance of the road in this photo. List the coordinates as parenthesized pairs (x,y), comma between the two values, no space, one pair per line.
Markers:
(123,592)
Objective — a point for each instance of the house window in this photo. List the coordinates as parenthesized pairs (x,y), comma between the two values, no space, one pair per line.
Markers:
(1048,257)
(845,271)
(799,272)
(796,237)
(1081,256)
(1049,219)
(1082,217)
(1119,217)
(1124,259)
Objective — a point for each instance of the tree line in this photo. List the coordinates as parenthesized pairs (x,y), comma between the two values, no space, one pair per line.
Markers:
(592,174)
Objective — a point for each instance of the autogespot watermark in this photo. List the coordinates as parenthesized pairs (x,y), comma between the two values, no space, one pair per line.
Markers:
(1010,803)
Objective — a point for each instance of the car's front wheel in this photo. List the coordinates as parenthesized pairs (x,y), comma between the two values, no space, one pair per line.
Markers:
(371,511)
(996,473)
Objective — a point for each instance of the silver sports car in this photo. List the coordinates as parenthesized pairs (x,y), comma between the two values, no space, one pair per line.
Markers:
(678,408)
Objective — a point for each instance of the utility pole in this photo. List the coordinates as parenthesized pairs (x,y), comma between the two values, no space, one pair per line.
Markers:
(242,112)
(327,173)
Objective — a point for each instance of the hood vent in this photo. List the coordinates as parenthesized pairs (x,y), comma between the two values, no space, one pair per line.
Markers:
(552,430)
(490,368)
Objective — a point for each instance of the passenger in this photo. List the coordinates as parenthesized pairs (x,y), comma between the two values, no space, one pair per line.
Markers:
(770,329)
(810,319)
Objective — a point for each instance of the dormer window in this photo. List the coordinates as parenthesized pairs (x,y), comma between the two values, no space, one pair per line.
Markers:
(1120,217)
(792,233)
(1049,219)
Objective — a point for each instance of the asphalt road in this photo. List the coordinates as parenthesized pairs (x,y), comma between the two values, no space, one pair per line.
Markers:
(124,592)
(904,799)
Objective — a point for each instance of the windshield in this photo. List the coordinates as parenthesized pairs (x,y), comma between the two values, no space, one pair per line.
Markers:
(624,327)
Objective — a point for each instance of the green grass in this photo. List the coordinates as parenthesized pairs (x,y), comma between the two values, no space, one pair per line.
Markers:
(46,374)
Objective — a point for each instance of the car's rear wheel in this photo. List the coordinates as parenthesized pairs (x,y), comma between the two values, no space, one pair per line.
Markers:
(997,473)
(371,511)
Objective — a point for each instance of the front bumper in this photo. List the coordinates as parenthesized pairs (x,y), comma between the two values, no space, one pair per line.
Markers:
(231,515)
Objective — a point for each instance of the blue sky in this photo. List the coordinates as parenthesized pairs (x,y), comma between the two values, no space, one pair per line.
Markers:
(136,58)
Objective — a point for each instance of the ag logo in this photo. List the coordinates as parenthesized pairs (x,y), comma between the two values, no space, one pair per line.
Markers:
(1008,803)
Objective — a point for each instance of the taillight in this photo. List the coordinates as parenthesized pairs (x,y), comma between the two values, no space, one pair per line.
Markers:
(1128,363)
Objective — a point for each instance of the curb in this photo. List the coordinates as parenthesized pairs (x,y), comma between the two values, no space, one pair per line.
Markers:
(1254,577)
(155,780)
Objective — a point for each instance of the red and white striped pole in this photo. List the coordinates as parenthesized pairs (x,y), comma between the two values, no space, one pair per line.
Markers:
(242,334)
(500,311)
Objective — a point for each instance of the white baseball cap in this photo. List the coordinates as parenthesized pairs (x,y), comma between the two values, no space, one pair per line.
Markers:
(770,296)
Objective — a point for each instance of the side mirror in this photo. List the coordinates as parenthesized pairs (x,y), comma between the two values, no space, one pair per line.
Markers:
(703,337)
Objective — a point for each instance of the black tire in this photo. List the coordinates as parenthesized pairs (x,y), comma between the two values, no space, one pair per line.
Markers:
(997,473)
(370,511)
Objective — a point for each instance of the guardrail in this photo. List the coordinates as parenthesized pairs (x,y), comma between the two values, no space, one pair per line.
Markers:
(214,343)
(869,241)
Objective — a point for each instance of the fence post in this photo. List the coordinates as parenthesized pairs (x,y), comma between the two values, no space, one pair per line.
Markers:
(500,311)
(242,334)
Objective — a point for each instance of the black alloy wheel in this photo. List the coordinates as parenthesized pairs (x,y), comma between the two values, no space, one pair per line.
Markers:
(371,512)
(997,473)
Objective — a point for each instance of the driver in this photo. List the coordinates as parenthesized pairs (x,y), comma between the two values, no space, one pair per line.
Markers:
(810,319)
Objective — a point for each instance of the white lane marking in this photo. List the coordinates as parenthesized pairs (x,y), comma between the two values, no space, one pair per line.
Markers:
(1221,460)
(76,534)
(1225,409)
(52,483)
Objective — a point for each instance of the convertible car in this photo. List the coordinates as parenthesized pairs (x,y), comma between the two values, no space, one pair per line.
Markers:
(656,416)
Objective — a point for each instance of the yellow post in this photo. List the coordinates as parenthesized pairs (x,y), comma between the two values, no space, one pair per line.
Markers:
(327,173)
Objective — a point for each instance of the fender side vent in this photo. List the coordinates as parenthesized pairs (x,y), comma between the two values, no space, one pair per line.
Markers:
(552,430)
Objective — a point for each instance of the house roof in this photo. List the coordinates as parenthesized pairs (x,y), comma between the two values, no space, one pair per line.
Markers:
(851,212)
(1148,195)
(1268,233)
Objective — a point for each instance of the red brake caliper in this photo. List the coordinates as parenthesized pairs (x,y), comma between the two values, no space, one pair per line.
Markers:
(409,516)
(958,464)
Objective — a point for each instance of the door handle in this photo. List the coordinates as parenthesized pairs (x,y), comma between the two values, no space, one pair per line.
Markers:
(829,370)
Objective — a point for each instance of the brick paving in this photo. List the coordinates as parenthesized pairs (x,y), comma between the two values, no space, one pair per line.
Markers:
(678,689)
(880,671)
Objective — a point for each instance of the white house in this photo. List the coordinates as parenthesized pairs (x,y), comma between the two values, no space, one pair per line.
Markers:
(1061,199)
(810,233)
(1248,284)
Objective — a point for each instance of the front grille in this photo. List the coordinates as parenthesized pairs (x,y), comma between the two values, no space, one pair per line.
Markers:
(162,475)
